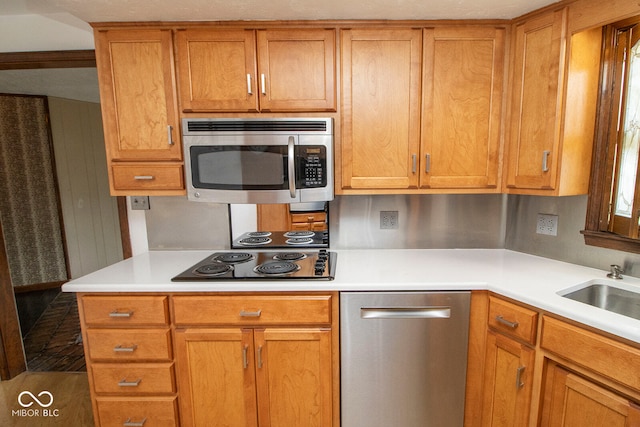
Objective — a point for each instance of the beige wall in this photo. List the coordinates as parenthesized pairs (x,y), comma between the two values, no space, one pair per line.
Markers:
(90,215)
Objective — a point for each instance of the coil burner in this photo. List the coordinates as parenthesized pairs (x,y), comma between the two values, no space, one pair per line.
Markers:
(255,241)
(233,257)
(290,256)
(214,269)
(274,268)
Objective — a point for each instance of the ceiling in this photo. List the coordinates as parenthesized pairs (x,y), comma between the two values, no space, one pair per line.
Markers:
(82,83)
(203,10)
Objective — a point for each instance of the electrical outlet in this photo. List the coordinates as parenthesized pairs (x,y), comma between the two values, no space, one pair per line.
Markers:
(140,203)
(388,220)
(547,224)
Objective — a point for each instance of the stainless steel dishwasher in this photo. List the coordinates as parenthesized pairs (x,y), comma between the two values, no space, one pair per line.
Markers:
(403,358)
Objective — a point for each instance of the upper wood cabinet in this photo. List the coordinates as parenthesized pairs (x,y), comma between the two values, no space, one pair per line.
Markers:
(380,108)
(553,99)
(140,115)
(256,70)
(463,78)
(456,73)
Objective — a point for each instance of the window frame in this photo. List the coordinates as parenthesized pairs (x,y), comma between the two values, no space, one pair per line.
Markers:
(596,232)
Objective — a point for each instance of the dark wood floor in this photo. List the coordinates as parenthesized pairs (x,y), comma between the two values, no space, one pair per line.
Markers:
(54,343)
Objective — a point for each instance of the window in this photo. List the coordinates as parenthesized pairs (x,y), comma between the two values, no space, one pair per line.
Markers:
(614,197)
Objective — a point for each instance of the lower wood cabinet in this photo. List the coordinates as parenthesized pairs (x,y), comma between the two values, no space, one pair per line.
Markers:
(508,382)
(137,412)
(554,373)
(262,377)
(205,359)
(129,356)
(572,400)
(257,360)
(509,364)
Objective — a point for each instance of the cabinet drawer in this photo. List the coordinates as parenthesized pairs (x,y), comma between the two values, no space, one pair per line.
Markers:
(309,217)
(252,310)
(129,344)
(133,378)
(513,320)
(147,177)
(127,311)
(600,354)
(157,411)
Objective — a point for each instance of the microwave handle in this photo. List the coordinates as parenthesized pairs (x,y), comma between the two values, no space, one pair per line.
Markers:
(292,167)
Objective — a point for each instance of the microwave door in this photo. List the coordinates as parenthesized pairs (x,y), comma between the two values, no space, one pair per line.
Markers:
(243,173)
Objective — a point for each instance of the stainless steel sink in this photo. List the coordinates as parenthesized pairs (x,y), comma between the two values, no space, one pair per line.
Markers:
(607,297)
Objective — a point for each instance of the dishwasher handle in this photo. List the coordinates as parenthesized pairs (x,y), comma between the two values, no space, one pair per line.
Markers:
(405,312)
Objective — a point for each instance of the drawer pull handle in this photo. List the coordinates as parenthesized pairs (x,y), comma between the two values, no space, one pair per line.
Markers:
(124,383)
(130,423)
(116,313)
(250,313)
(505,322)
(143,177)
(121,349)
(519,372)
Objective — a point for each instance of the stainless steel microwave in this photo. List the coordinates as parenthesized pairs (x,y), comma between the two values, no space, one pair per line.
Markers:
(288,160)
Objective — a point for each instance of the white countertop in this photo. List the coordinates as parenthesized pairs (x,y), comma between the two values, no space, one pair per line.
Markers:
(527,278)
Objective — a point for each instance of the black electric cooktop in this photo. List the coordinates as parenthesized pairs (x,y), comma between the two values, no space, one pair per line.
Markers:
(259,265)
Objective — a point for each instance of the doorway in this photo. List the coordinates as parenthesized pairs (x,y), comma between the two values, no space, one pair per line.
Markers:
(55,314)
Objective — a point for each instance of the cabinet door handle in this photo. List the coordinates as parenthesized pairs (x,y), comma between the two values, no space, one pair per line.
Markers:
(143,177)
(245,360)
(260,357)
(250,313)
(130,423)
(545,160)
(249,90)
(124,383)
(170,135)
(505,322)
(414,163)
(427,163)
(116,313)
(263,85)
(519,372)
(121,349)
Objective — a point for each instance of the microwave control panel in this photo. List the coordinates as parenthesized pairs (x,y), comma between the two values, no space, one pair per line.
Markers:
(313,165)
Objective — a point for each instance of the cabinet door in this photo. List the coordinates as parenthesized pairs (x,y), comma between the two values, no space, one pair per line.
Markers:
(297,70)
(571,400)
(508,382)
(534,138)
(139,111)
(462,101)
(294,380)
(380,108)
(216,377)
(217,70)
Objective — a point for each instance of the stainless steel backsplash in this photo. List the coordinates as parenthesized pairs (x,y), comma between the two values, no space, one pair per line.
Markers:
(424,221)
